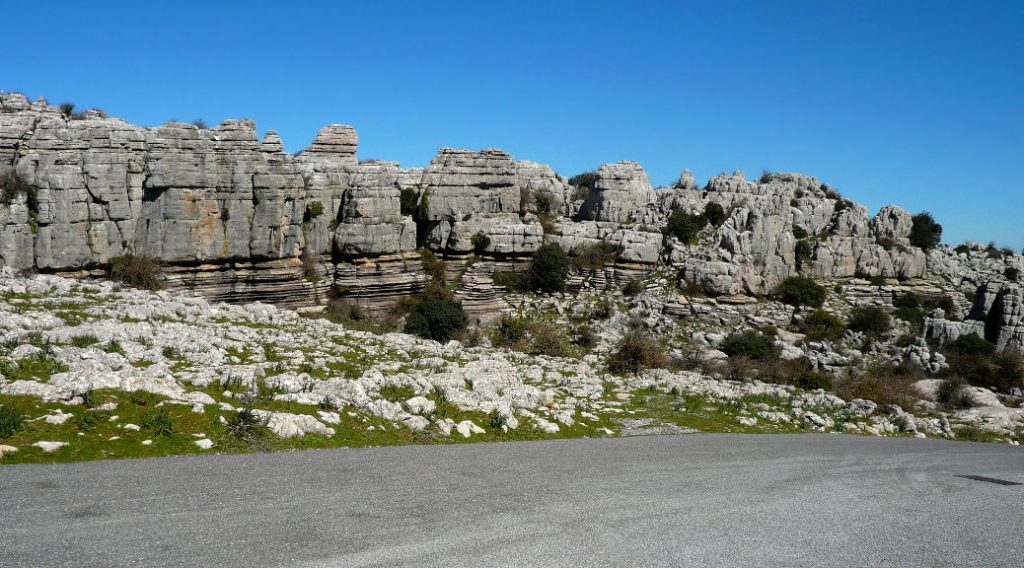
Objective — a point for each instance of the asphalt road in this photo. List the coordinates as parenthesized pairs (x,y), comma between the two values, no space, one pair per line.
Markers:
(696,500)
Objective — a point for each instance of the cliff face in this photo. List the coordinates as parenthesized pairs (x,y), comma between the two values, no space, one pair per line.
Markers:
(239,219)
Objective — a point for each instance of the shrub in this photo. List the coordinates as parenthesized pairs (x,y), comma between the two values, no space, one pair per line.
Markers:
(976,361)
(436,317)
(801,291)
(751,345)
(886,385)
(1012,274)
(635,352)
(200,124)
(766,176)
(480,242)
(433,266)
(804,253)
(510,331)
(548,339)
(596,256)
(313,210)
(951,393)
(508,280)
(812,380)
(870,320)
(549,270)
(13,185)
(633,288)
(11,421)
(544,201)
(714,214)
(584,180)
(799,232)
(962,249)
(685,226)
(820,324)
(925,233)
(138,271)
(67,109)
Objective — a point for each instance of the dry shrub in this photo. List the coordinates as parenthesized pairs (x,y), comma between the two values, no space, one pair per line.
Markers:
(138,271)
(886,385)
(952,394)
(635,352)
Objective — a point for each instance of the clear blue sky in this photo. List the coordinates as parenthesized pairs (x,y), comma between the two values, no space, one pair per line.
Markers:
(915,103)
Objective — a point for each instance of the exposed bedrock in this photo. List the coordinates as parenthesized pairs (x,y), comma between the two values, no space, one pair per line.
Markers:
(241,219)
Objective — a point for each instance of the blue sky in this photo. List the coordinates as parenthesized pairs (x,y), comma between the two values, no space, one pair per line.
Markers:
(920,104)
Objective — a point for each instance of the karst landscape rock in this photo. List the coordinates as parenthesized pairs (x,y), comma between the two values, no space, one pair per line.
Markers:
(284,278)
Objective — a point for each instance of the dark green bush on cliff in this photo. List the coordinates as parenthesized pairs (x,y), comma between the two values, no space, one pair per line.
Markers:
(870,320)
(801,291)
(138,271)
(1012,274)
(685,226)
(12,185)
(820,324)
(977,362)
(925,233)
(549,270)
(436,316)
(714,214)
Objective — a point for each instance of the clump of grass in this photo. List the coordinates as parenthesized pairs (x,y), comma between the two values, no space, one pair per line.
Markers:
(396,393)
(84,340)
(158,422)
(38,367)
(247,426)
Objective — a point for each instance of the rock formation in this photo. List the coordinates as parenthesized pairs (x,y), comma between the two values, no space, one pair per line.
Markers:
(240,219)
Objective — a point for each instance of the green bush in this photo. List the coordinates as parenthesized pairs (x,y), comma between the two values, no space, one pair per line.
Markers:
(750,345)
(12,185)
(685,226)
(548,339)
(812,380)
(635,352)
(1012,274)
(820,324)
(11,420)
(510,331)
(969,344)
(869,320)
(549,270)
(436,317)
(978,363)
(508,280)
(925,233)
(409,201)
(804,253)
(714,214)
(799,232)
(801,291)
(480,242)
(138,271)
(633,288)
(433,266)
(314,210)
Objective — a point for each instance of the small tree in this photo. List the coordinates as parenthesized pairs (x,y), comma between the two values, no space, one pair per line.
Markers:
(925,233)
(549,270)
(820,324)
(801,291)
(408,201)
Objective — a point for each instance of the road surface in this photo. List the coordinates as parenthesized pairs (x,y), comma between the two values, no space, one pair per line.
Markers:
(695,500)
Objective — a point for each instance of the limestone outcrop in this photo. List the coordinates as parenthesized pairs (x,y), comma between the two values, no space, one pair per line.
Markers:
(239,218)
